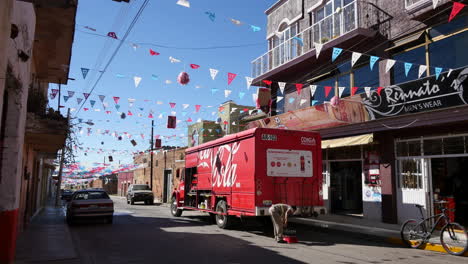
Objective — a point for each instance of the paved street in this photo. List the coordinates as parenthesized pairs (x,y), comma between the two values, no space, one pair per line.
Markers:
(149,234)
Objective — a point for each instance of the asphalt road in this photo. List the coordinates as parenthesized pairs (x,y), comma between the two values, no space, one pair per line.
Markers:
(149,234)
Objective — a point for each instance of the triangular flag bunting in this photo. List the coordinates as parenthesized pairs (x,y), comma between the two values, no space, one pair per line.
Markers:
(194,66)
(373,60)
(354,90)
(197,108)
(153,53)
(267,82)
(70,94)
(299,88)
(172,105)
(303,101)
(336,53)
(313,88)
(129,113)
(185,106)
(101,97)
(328,90)
(213,73)
(449,72)
(231,77)
(241,95)
(86,95)
(92,102)
(457,7)
(211,16)
(282,85)
(84,72)
(214,90)
(173,60)
(438,70)
(65,98)
(79,100)
(137,80)
(407,68)
(184,3)
(379,90)
(154,77)
(422,69)
(291,100)
(368,90)
(117,107)
(116,99)
(279,98)
(355,57)
(249,81)
(150,115)
(341,90)
(389,65)
(112,35)
(435,3)
(255,28)
(318,49)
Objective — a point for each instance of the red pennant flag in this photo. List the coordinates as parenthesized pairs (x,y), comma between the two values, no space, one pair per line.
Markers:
(231,77)
(150,115)
(86,109)
(194,66)
(189,119)
(299,87)
(86,95)
(108,112)
(225,122)
(220,109)
(267,82)
(172,105)
(328,90)
(457,7)
(246,109)
(112,35)
(197,108)
(379,90)
(116,99)
(129,113)
(152,52)
(354,90)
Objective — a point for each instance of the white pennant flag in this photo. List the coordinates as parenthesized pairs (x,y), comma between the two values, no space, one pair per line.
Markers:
(168,81)
(341,90)
(227,93)
(185,106)
(234,122)
(281,86)
(97,110)
(72,109)
(303,101)
(435,3)
(213,73)
(279,98)
(198,120)
(313,88)
(255,97)
(318,49)
(178,121)
(250,112)
(390,64)
(173,60)
(185,3)
(213,113)
(422,69)
(355,57)
(249,82)
(449,72)
(105,104)
(233,110)
(137,80)
(368,90)
(159,102)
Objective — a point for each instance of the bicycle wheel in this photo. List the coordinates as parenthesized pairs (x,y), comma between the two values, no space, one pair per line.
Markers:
(412,233)
(454,239)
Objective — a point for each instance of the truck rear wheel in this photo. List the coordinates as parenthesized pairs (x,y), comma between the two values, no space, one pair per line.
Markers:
(222,219)
(174,211)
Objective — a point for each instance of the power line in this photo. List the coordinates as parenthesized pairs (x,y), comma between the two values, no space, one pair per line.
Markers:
(132,24)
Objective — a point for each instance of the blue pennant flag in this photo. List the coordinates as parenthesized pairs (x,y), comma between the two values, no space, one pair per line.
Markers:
(117,107)
(184,113)
(407,68)
(154,77)
(65,98)
(299,40)
(336,53)
(80,120)
(218,130)
(120,75)
(255,28)
(315,102)
(214,90)
(141,108)
(373,60)
(92,102)
(84,71)
(241,95)
(211,16)
(291,100)
(202,129)
(438,70)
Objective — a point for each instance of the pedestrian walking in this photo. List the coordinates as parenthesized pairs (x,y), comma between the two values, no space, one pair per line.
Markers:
(279,215)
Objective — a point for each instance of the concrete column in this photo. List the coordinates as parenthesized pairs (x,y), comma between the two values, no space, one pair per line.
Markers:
(5,26)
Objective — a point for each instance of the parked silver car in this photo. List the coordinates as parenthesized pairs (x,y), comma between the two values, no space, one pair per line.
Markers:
(90,203)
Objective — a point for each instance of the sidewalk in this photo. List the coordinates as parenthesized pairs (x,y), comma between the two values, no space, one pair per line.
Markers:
(388,232)
(47,239)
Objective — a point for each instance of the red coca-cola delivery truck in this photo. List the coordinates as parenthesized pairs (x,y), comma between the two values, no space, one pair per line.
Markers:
(245,173)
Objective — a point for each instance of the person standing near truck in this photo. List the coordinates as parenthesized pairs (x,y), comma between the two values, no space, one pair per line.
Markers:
(279,215)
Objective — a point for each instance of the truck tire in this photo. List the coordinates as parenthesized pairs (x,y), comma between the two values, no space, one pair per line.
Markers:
(174,211)
(222,220)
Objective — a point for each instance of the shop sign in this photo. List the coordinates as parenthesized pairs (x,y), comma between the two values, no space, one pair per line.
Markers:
(419,96)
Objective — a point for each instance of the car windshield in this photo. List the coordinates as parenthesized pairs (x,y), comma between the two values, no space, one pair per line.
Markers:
(91,195)
(140,187)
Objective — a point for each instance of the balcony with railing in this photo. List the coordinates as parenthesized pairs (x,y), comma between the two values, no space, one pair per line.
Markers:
(341,22)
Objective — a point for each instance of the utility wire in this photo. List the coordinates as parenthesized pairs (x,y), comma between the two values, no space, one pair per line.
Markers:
(132,24)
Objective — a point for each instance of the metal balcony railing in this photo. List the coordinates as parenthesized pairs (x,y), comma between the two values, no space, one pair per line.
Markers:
(340,22)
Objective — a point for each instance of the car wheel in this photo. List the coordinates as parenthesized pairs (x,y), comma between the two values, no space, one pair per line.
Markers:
(174,211)
(132,202)
(223,220)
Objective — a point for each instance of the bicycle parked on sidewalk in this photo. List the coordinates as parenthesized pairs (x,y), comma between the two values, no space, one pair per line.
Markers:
(453,236)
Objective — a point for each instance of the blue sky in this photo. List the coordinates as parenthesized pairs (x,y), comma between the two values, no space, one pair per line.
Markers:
(168,24)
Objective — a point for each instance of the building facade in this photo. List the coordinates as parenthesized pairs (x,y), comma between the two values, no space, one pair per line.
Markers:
(382,81)
(202,132)
(35,50)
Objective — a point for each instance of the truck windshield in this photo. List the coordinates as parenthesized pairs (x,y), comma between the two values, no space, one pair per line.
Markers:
(140,187)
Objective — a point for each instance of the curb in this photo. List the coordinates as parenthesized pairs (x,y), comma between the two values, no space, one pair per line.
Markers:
(428,246)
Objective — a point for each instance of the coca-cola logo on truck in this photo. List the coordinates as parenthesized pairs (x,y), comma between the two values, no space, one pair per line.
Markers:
(307,141)
(221,164)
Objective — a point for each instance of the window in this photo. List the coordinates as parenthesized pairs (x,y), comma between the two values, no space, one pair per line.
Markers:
(411,175)
(141,187)
(365,77)
(333,19)
(91,196)
(449,52)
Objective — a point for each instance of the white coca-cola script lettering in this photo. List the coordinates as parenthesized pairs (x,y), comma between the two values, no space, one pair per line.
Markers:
(222,166)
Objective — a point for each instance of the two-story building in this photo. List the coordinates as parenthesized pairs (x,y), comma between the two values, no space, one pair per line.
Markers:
(383,82)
